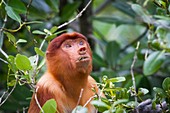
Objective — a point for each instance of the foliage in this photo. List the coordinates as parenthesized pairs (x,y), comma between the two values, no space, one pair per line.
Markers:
(50,105)
(26,28)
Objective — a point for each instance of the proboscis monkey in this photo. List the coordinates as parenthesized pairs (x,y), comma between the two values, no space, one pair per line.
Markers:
(69,64)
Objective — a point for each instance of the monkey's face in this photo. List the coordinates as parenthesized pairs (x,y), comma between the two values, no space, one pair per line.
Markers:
(79,54)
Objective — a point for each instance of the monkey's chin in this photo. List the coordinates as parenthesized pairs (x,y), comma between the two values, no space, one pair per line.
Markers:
(83,63)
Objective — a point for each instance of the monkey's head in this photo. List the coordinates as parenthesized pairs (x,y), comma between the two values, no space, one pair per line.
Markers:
(69,54)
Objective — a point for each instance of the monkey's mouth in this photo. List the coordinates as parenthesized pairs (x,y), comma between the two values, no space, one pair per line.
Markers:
(83,58)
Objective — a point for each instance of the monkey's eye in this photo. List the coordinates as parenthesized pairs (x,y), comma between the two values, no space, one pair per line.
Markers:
(81,42)
(68,45)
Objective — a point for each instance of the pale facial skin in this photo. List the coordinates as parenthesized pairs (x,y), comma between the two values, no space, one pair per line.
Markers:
(77,50)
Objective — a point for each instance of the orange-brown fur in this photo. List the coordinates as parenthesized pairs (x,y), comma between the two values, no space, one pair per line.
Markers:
(66,76)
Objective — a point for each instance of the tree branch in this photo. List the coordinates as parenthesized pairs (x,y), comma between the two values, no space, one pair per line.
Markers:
(136,40)
(79,15)
(132,73)
(36,99)
(7,95)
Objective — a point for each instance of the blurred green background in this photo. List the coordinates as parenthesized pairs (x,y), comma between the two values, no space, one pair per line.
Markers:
(113,29)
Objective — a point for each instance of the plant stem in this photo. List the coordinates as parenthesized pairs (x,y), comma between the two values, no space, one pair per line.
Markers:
(132,72)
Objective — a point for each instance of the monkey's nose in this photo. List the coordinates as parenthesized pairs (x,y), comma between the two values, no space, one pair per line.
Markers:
(82,50)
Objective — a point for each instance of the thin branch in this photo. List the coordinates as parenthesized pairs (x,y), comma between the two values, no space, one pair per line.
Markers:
(132,73)
(136,40)
(146,54)
(24,109)
(88,101)
(7,95)
(36,62)
(37,100)
(1,29)
(79,15)
(5,20)
(4,61)
(30,1)
(80,96)
(6,56)
(4,93)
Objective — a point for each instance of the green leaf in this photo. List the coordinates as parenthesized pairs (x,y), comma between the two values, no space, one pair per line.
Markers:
(124,7)
(161,32)
(53,29)
(41,63)
(153,62)
(12,14)
(166,84)
(117,79)
(98,60)
(22,62)
(50,106)
(142,91)
(18,6)
(50,37)
(11,65)
(141,12)
(33,60)
(79,109)
(39,52)
(112,53)
(120,110)
(114,20)
(54,4)
(155,44)
(159,91)
(68,10)
(99,103)
(119,102)
(21,41)
(138,9)
(11,83)
(38,32)
(47,32)
(10,37)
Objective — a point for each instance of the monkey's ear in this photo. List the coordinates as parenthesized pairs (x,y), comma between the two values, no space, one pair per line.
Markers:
(47,52)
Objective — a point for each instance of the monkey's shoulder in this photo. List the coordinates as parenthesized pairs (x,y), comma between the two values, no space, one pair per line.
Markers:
(92,82)
(49,84)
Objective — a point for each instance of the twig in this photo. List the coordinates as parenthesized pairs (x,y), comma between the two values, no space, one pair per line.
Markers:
(36,62)
(37,100)
(79,14)
(146,54)
(4,93)
(6,56)
(8,94)
(4,61)
(132,73)
(80,96)
(30,1)
(88,101)
(24,109)
(1,29)
(134,41)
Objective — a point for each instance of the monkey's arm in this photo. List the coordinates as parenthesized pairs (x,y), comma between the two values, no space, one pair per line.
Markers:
(96,88)
(42,96)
